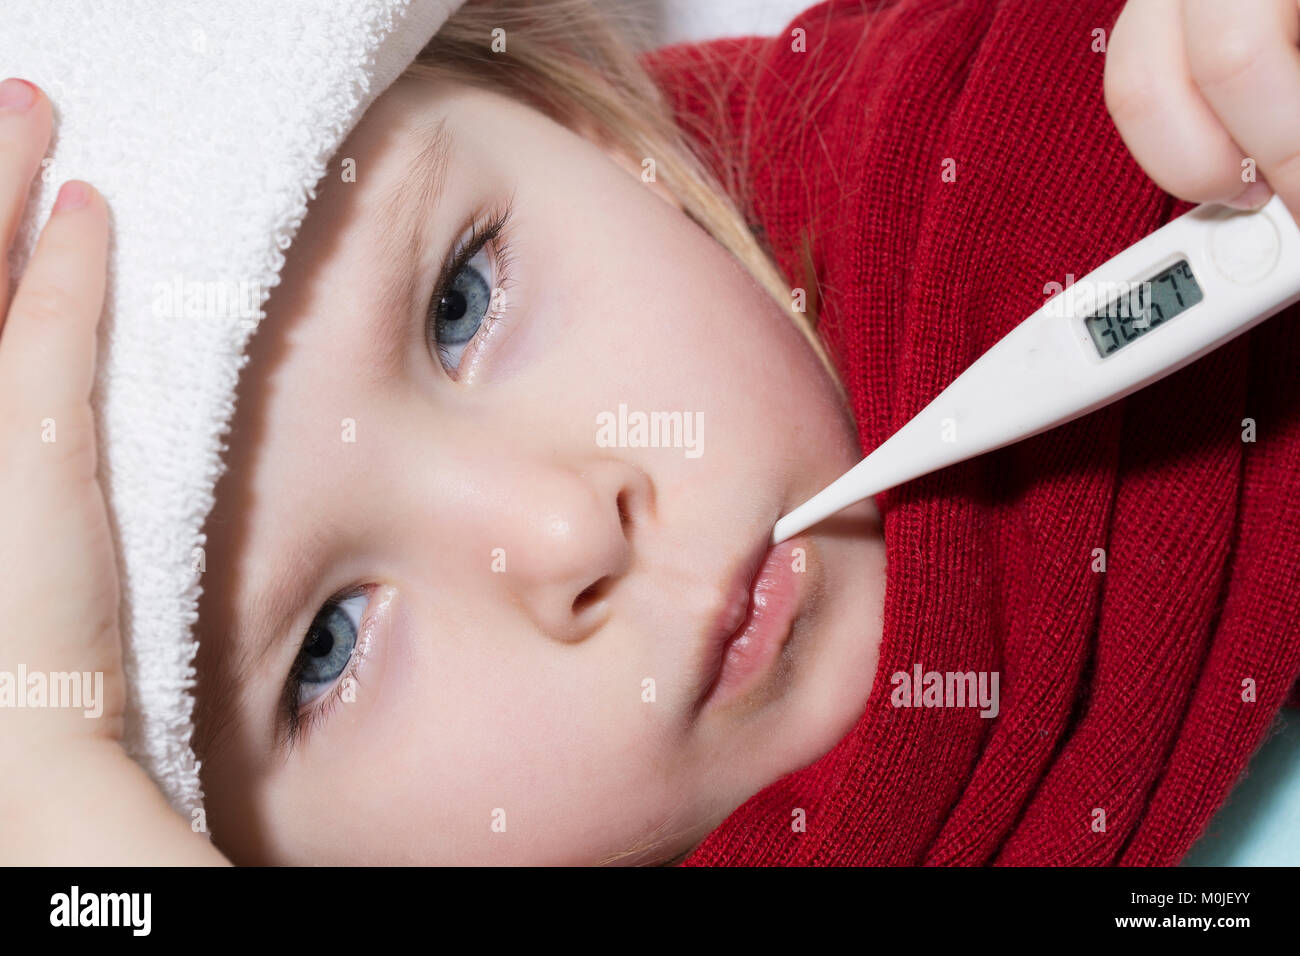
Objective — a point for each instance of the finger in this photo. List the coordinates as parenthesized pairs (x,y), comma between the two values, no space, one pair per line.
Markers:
(47,351)
(24,135)
(1164,121)
(1244,59)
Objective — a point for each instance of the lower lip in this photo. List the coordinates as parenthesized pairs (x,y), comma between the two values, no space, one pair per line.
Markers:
(773,603)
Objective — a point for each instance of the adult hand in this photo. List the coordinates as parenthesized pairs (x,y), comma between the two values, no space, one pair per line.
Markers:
(58,577)
(1206,95)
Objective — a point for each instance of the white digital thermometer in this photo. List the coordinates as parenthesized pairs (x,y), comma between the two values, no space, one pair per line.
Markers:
(1162,303)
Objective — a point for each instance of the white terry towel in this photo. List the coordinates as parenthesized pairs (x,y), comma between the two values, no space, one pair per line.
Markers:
(206,126)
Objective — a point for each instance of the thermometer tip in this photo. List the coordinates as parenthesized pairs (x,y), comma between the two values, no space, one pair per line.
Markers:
(782,531)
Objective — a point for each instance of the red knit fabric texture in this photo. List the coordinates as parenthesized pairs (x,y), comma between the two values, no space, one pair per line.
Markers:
(1140,691)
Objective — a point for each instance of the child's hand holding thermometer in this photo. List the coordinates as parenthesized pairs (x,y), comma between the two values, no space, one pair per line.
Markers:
(1181,292)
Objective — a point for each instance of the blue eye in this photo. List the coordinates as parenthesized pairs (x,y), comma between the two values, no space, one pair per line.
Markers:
(328,647)
(461,310)
(464,305)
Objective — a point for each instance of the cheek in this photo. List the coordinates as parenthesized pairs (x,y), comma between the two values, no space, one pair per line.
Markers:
(692,315)
(663,318)
(478,726)
(633,296)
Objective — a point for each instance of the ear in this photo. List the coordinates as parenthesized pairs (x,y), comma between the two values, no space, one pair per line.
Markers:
(633,165)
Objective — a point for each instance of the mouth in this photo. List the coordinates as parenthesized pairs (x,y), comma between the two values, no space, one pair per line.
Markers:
(754,622)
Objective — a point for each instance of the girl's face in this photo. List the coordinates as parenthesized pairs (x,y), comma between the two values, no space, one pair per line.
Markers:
(448,617)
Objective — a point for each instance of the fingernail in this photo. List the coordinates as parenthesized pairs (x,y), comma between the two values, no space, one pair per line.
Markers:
(1252,197)
(72,195)
(16,95)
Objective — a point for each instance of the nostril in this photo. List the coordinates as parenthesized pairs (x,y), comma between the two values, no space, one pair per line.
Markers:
(590,596)
(624,515)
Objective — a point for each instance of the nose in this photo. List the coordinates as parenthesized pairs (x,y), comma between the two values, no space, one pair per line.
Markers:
(573,539)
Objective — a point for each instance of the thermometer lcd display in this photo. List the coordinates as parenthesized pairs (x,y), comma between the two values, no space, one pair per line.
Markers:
(1131,316)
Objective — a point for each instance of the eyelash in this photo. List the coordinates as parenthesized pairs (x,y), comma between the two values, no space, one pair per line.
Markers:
(300,723)
(493,230)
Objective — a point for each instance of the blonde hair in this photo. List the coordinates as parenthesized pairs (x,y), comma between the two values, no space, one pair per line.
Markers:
(577,61)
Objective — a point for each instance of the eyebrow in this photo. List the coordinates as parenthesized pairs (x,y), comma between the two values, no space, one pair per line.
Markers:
(404,214)
(272,611)
(407,205)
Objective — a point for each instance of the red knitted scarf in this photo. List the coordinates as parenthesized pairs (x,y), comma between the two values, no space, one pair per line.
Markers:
(1131,698)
